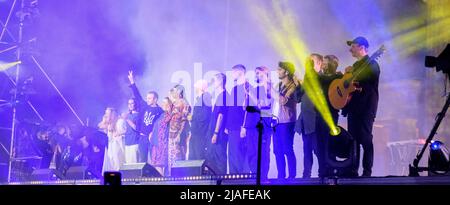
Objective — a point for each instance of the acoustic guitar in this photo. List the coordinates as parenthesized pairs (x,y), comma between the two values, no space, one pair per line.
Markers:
(340,90)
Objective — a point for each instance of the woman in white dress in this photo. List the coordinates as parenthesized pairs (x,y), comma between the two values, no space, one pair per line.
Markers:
(113,126)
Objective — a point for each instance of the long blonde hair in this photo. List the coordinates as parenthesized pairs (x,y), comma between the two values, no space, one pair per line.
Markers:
(108,123)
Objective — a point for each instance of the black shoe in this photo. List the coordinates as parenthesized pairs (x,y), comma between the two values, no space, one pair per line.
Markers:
(306,175)
(366,173)
(350,174)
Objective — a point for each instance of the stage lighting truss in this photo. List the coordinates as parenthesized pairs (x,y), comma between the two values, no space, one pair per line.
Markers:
(27,12)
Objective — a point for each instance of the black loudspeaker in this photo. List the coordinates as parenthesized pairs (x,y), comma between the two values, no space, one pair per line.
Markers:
(112,178)
(184,168)
(45,175)
(139,170)
(77,172)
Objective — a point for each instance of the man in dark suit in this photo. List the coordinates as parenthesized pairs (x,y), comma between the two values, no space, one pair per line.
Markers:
(306,124)
(326,76)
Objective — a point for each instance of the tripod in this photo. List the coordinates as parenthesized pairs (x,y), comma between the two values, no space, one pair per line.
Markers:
(414,169)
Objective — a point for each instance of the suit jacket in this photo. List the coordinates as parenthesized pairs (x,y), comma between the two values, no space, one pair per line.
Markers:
(309,116)
(306,122)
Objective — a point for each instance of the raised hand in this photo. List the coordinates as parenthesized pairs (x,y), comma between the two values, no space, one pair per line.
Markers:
(131,77)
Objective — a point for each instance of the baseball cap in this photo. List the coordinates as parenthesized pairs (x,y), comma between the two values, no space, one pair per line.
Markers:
(360,41)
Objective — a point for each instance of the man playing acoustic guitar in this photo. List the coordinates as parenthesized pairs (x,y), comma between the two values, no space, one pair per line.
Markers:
(362,108)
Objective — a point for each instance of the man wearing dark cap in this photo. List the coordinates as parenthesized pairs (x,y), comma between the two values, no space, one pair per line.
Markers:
(283,139)
(362,108)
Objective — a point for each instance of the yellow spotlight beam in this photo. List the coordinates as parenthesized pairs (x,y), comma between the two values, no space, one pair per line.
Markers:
(5,66)
(281,30)
(316,95)
(424,31)
(418,39)
(299,48)
(275,35)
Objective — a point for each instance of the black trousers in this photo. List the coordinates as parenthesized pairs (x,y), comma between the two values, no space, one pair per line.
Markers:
(283,145)
(310,146)
(198,145)
(360,127)
(216,158)
(322,140)
(236,152)
(144,148)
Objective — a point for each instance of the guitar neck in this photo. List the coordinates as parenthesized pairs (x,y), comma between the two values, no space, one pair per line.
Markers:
(362,67)
(365,64)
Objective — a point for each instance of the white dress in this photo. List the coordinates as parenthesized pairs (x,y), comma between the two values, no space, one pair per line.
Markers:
(114,153)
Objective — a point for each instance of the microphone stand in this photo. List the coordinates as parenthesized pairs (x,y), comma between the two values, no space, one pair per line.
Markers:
(260,127)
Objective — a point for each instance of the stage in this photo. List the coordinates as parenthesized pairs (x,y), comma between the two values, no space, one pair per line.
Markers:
(72,74)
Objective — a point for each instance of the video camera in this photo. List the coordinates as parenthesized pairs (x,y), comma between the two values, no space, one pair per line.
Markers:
(442,62)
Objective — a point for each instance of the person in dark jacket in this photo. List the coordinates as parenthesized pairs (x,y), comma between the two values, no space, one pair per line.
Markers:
(149,112)
(362,108)
(236,110)
(216,158)
(307,121)
(201,116)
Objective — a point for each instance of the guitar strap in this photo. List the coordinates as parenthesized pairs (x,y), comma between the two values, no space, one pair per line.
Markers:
(283,90)
(360,66)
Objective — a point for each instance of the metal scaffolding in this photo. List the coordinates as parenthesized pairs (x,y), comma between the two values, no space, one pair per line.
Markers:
(25,9)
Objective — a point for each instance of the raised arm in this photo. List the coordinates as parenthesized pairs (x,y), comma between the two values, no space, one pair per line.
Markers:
(134,88)
(103,125)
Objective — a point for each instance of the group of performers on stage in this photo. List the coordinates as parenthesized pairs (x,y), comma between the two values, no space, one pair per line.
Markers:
(220,129)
